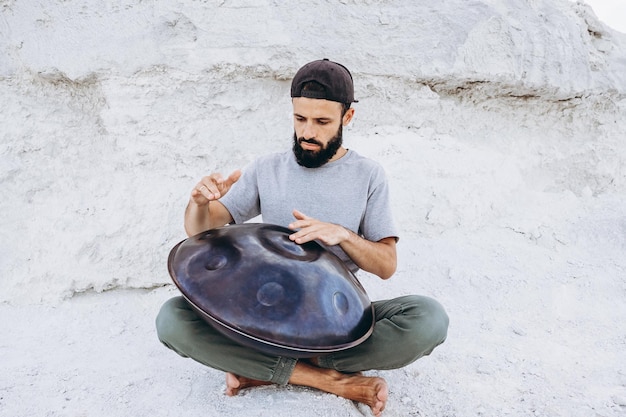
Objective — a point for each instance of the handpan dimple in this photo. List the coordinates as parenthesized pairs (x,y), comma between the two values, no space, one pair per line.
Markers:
(278,242)
(270,294)
(340,301)
(257,287)
(216,262)
(201,259)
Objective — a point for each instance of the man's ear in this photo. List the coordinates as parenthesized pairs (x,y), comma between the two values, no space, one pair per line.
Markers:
(347,118)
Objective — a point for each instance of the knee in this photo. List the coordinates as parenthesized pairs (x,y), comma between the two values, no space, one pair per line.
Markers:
(439,321)
(429,323)
(168,321)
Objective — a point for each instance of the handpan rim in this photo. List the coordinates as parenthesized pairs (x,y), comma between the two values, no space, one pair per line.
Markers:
(273,347)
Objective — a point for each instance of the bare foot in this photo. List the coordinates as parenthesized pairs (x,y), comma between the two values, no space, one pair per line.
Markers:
(235,383)
(371,391)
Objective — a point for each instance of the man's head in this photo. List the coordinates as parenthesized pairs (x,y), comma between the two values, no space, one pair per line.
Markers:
(322,93)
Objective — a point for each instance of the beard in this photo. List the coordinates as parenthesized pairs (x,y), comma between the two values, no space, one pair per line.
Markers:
(315,159)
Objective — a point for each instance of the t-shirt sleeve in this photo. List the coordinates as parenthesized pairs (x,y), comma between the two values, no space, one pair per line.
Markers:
(242,200)
(378,220)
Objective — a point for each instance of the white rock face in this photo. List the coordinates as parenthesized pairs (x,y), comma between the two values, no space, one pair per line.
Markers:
(495,120)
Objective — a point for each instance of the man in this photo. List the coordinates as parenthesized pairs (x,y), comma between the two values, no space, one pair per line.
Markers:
(324,192)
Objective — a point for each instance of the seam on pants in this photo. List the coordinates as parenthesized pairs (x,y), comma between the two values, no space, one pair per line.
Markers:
(283,370)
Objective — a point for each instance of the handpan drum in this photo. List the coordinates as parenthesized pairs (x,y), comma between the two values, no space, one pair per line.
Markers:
(257,287)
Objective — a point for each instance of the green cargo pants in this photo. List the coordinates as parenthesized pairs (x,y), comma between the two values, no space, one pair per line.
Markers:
(406,329)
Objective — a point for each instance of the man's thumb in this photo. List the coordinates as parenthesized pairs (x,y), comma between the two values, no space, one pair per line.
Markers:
(234,177)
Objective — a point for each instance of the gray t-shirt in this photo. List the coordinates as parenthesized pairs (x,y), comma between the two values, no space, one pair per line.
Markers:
(351,191)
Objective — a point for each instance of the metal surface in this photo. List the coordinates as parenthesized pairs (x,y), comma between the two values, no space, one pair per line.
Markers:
(261,289)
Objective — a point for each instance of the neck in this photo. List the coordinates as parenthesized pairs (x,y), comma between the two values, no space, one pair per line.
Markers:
(341,152)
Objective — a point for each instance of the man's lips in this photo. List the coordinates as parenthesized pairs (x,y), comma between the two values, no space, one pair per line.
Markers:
(309,146)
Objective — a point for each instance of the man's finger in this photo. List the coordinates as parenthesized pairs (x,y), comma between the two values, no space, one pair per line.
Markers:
(298,224)
(209,189)
(233,177)
(300,237)
(203,191)
(301,216)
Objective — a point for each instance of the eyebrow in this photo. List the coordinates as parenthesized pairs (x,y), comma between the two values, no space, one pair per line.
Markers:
(323,118)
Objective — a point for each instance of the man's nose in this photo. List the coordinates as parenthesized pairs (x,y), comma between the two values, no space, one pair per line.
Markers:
(309,131)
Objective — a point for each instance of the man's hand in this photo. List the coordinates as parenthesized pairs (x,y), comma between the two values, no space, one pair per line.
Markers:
(312,229)
(376,257)
(213,187)
(198,216)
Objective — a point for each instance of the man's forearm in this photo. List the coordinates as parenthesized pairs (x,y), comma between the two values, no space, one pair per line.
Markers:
(379,258)
(197,218)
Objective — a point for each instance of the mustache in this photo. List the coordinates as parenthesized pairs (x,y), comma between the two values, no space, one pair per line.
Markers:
(312,141)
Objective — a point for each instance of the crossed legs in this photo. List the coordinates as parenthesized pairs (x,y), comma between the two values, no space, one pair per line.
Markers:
(406,329)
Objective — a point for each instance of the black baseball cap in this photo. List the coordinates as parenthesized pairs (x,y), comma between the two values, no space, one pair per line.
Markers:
(334,77)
